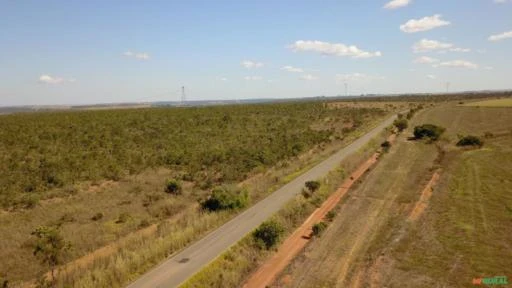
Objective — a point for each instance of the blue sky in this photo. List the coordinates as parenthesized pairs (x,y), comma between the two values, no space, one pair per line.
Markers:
(78,52)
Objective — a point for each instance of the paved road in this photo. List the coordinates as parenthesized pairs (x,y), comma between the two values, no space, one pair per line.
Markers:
(178,268)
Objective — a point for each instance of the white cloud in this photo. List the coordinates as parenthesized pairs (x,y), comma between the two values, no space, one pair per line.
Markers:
(425,60)
(354,77)
(458,49)
(430,76)
(488,68)
(457,64)
(223,79)
(251,64)
(501,1)
(292,69)
(332,49)
(253,78)
(47,79)
(423,24)
(425,45)
(397,4)
(308,77)
(501,36)
(137,55)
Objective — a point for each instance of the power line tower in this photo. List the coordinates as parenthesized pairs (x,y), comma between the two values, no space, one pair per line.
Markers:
(183,97)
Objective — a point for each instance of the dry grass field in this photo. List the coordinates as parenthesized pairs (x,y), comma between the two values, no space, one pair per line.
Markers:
(465,231)
(504,102)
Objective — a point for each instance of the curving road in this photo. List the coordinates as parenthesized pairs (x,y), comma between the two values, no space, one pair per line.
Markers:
(179,267)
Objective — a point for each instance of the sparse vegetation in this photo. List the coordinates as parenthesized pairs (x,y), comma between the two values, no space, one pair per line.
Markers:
(312,186)
(318,228)
(50,247)
(401,124)
(429,131)
(173,186)
(470,140)
(226,198)
(268,233)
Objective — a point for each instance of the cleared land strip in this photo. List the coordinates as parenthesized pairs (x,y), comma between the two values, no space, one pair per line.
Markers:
(178,268)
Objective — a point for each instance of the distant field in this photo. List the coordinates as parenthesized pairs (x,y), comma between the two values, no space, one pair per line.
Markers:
(507,102)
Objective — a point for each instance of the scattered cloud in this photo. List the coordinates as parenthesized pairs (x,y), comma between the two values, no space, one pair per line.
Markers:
(308,77)
(423,24)
(253,78)
(397,4)
(292,69)
(489,68)
(502,1)
(354,77)
(430,76)
(47,79)
(223,79)
(425,60)
(137,55)
(426,45)
(251,64)
(457,64)
(332,49)
(502,36)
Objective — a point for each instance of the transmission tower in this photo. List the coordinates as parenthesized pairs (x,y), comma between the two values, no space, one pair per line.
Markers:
(183,97)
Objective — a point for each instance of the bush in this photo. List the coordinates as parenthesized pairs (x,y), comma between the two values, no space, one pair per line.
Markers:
(470,140)
(123,217)
(385,146)
(97,216)
(318,228)
(173,186)
(428,131)
(401,124)
(223,198)
(330,215)
(312,185)
(268,233)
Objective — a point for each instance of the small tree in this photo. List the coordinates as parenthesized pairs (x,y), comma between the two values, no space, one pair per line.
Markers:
(312,185)
(401,124)
(385,146)
(318,228)
(470,140)
(268,233)
(50,247)
(173,186)
(428,131)
(223,198)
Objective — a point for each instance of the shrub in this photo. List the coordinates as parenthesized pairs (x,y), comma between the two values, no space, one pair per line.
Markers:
(50,247)
(97,216)
(223,198)
(123,217)
(330,215)
(385,146)
(318,228)
(144,223)
(401,124)
(312,185)
(173,186)
(268,233)
(428,131)
(470,140)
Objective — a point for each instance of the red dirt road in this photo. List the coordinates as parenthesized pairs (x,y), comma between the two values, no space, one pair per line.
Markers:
(266,274)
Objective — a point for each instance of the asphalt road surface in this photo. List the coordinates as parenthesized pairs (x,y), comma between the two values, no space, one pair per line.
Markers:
(181,266)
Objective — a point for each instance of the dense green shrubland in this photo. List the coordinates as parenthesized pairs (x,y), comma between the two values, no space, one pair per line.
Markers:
(212,145)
